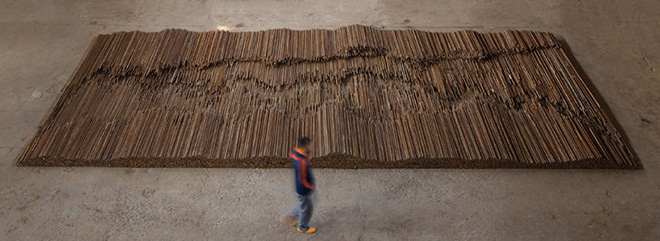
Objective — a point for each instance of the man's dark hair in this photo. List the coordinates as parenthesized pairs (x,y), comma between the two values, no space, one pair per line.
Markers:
(303,141)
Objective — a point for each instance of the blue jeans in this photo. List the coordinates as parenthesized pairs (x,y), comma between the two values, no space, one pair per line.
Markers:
(304,210)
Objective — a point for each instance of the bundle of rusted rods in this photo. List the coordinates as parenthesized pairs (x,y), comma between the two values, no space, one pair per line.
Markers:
(368,98)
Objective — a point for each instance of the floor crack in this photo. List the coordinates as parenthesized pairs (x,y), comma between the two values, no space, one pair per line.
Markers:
(648,63)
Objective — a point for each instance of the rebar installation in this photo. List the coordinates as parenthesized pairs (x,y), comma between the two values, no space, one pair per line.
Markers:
(368,98)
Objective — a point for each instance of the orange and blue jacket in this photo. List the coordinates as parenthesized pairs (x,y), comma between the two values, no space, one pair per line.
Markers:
(303,170)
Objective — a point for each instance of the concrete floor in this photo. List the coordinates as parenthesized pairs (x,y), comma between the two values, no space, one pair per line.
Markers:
(615,43)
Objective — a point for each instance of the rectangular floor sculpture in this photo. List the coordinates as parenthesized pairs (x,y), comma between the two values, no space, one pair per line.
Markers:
(368,98)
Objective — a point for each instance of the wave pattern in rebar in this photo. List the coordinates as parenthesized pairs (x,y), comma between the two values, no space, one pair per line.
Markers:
(368,98)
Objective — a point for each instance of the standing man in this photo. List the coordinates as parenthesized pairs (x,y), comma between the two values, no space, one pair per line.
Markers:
(304,187)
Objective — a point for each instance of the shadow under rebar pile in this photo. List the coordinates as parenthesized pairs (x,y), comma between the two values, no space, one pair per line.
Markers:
(368,98)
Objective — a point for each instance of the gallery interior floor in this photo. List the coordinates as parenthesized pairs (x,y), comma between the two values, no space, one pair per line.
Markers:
(614,44)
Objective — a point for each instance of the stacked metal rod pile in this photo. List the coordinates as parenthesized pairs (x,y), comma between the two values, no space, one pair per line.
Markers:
(368,98)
